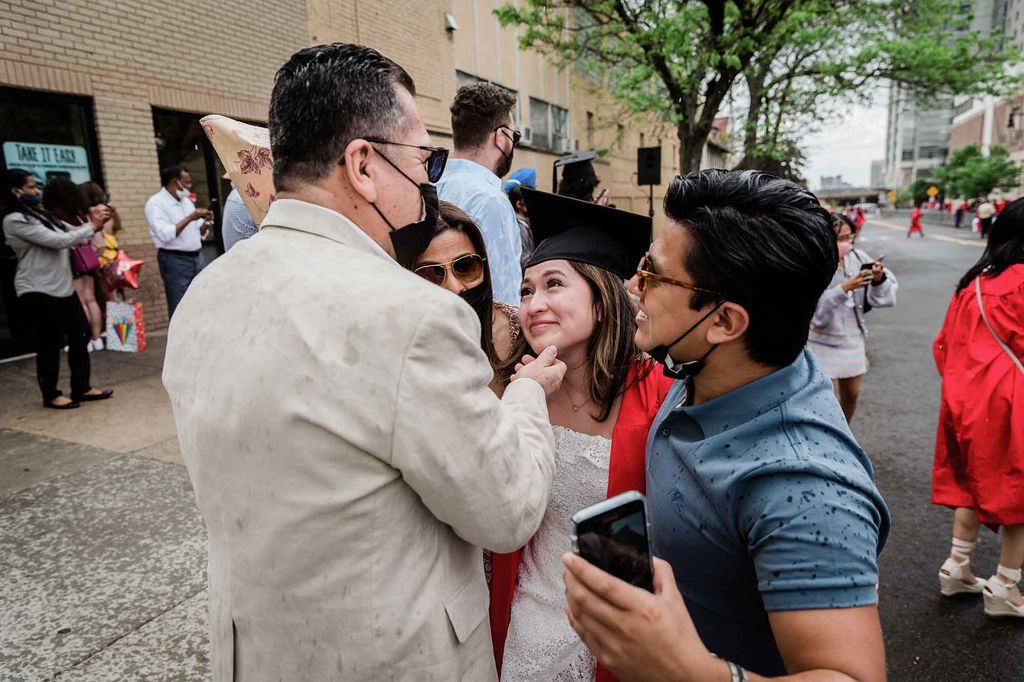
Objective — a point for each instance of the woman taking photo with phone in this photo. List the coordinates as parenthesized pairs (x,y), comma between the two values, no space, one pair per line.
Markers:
(573,298)
(44,287)
(837,328)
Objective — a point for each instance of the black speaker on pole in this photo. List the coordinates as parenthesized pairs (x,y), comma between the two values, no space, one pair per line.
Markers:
(648,166)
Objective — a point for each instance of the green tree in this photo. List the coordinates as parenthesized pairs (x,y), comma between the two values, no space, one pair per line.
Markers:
(678,60)
(971,174)
(842,51)
(919,189)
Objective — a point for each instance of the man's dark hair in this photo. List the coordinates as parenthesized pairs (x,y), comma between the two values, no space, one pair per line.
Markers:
(65,199)
(324,97)
(763,243)
(170,173)
(515,196)
(477,110)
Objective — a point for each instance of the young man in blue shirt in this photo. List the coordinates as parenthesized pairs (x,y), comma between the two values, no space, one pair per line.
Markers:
(485,140)
(762,504)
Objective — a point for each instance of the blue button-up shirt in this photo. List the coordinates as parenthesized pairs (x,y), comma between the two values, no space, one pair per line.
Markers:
(477,191)
(237,224)
(762,501)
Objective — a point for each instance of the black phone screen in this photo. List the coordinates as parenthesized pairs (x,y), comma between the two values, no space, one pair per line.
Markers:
(617,543)
(866,266)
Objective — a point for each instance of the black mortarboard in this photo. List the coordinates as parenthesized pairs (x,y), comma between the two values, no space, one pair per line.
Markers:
(578,171)
(578,175)
(585,232)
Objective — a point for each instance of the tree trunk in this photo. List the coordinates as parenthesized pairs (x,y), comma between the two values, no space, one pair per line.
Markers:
(692,139)
(755,88)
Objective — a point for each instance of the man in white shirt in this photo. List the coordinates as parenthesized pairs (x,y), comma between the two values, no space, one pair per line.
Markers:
(177,228)
(485,139)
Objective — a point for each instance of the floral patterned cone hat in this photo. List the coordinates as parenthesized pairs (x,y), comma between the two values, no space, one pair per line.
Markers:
(245,152)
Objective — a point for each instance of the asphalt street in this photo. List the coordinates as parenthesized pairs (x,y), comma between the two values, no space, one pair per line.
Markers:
(928,637)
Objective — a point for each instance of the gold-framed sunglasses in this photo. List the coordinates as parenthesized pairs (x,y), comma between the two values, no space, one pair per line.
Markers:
(467,269)
(645,275)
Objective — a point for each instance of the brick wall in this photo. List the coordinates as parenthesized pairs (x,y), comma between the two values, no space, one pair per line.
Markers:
(967,132)
(220,57)
(132,55)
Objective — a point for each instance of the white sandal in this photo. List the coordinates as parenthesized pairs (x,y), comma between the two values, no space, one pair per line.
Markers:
(997,594)
(951,579)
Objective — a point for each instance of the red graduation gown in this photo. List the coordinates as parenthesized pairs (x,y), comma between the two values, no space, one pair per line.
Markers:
(979,448)
(626,471)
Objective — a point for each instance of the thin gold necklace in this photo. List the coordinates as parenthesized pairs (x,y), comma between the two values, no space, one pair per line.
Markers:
(576,408)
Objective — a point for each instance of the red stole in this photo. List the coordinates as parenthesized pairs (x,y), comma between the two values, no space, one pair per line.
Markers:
(626,471)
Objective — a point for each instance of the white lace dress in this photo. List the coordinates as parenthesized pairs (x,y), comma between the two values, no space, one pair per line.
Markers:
(541,645)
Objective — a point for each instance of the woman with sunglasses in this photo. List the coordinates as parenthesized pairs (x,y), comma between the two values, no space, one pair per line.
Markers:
(573,298)
(837,328)
(456,259)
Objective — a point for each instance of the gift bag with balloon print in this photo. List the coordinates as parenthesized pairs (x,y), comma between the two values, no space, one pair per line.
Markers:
(126,331)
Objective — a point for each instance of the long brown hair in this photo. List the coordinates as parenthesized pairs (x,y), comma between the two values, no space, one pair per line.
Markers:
(96,196)
(611,350)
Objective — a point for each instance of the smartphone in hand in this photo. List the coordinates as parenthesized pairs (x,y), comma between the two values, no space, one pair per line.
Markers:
(614,535)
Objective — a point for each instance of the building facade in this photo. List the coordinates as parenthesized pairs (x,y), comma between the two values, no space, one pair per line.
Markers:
(988,121)
(112,91)
(919,136)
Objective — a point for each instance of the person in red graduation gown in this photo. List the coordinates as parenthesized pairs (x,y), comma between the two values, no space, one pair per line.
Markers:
(979,449)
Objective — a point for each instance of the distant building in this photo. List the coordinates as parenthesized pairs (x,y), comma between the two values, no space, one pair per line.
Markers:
(833,182)
(987,121)
(878,173)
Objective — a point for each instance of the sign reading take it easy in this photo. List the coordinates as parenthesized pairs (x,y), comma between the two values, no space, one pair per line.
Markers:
(47,161)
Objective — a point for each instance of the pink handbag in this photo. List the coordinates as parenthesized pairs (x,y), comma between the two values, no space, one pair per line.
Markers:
(84,260)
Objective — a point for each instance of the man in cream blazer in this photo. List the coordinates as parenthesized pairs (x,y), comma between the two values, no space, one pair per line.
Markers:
(333,411)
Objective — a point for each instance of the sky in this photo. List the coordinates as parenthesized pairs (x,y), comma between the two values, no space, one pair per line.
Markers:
(848,146)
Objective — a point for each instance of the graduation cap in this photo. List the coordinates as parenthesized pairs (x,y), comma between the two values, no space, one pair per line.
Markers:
(584,232)
(577,171)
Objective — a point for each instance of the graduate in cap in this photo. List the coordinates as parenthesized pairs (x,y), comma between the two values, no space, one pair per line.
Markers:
(580,181)
(573,297)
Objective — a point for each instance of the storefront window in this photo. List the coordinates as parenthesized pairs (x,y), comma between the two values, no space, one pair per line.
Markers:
(49,136)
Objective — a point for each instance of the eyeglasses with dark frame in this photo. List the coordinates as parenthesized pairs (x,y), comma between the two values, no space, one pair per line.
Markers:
(434,164)
(467,269)
(645,275)
(516,135)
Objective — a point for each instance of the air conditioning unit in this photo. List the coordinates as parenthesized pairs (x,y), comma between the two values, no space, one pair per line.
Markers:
(572,145)
(527,138)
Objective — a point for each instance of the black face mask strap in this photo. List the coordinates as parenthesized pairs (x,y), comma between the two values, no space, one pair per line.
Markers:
(400,172)
(697,324)
(383,217)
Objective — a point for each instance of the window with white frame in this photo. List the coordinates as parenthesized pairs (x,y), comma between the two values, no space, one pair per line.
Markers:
(550,124)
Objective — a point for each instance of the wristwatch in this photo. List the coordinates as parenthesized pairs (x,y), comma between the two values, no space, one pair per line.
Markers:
(736,673)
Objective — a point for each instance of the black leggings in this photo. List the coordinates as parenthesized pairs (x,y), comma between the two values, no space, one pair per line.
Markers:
(56,321)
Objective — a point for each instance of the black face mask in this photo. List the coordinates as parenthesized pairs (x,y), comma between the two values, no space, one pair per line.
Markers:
(683,370)
(478,298)
(413,239)
(503,171)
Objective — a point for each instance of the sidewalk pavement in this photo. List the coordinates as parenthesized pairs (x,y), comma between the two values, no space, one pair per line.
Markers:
(102,549)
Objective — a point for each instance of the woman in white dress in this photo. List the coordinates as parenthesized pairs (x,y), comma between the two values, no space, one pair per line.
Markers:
(573,298)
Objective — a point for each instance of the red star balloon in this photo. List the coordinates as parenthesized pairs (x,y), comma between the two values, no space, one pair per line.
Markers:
(122,272)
